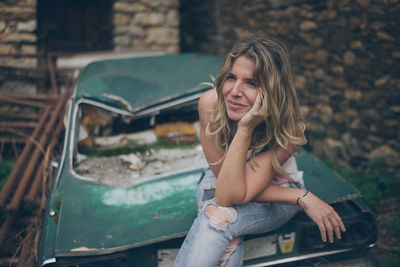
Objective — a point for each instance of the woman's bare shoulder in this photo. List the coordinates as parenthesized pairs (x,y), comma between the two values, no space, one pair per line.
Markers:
(208,101)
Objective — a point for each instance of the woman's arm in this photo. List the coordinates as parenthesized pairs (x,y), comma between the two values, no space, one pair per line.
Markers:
(326,218)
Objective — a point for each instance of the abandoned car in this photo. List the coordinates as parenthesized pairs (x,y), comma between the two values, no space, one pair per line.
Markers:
(124,190)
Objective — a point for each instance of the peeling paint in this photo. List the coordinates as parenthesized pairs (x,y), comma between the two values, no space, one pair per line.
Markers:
(145,193)
(176,218)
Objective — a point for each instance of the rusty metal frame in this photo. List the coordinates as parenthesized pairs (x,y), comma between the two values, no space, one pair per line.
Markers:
(17,197)
(13,178)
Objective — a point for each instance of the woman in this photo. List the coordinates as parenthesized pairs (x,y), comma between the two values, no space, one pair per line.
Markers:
(250,126)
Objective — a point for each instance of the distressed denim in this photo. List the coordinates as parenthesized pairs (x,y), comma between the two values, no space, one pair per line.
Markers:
(208,238)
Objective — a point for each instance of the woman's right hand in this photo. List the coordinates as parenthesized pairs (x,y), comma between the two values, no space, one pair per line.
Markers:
(254,116)
(324,216)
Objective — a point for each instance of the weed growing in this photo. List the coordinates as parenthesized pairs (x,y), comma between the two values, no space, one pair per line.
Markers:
(375,183)
(5,170)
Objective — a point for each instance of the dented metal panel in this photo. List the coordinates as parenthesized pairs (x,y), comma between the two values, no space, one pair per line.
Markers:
(95,219)
(147,81)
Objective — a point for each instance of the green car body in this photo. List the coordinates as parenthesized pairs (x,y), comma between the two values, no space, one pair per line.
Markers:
(91,224)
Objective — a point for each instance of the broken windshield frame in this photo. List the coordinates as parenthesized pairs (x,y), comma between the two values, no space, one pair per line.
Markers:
(150,114)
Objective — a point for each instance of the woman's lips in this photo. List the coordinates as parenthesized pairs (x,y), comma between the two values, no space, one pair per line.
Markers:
(234,105)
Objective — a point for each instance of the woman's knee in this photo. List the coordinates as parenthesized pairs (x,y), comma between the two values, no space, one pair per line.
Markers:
(220,217)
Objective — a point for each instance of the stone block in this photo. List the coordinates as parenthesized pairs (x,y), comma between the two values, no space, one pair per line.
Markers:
(28,26)
(131,30)
(149,19)
(321,56)
(319,74)
(363,3)
(3,26)
(391,157)
(339,118)
(370,115)
(300,82)
(308,25)
(122,40)
(396,54)
(385,36)
(120,19)
(17,12)
(352,113)
(337,69)
(334,148)
(5,49)
(349,58)
(28,49)
(382,81)
(327,14)
(162,3)
(125,7)
(162,36)
(21,37)
(325,112)
(173,18)
(174,49)
(353,95)
(357,45)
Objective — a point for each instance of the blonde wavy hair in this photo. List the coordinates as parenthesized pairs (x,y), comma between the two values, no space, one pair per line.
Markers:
(284,125)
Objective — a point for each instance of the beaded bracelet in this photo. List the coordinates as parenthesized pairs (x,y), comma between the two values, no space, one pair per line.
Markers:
(301,197)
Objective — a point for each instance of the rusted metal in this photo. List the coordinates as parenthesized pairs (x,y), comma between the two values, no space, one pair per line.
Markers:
(50,65)
(14,175)
(36,97)
(21,116)
(22,134)
(18,124)
(8,261)
(17,197)
(30,197)
(10,140)
(15,100)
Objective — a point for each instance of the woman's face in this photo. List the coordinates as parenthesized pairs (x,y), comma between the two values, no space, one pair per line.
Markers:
(240,89)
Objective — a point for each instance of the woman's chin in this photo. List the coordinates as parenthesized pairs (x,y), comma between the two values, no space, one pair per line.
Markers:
(234,116)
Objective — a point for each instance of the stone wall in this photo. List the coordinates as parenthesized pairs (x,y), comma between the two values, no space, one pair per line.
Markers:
(345,56)
(146,24)
(17,36)
(137,24)
(18,31)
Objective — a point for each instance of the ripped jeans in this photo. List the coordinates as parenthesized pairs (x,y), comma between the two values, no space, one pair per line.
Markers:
(215,238)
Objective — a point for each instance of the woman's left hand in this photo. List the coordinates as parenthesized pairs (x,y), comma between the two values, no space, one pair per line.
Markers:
(328,221)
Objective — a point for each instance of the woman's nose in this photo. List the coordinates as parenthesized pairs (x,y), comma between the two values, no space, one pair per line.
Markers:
(236,89)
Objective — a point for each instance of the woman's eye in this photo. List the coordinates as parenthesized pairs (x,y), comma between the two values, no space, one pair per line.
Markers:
(230,77)
(252,84)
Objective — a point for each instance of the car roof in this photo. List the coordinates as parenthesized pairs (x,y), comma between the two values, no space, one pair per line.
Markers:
(139,83)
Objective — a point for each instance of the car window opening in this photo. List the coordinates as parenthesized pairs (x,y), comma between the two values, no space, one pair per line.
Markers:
(117,151)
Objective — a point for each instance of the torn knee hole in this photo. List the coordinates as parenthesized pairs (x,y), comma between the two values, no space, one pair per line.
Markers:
(228,251)
(232,244)
(221,215)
